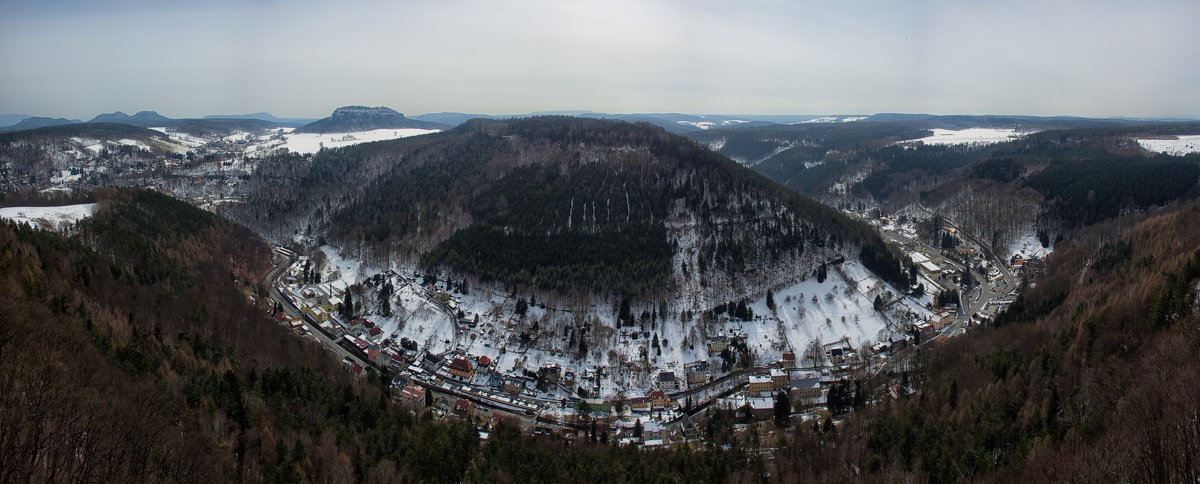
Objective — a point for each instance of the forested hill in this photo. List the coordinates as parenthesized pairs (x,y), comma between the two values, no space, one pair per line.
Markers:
(1088,175)
(1053,175)
(564,203)
(1051,182)
(104,131)
(130,352)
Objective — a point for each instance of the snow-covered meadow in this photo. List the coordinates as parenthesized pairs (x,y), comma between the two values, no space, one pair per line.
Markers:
(1179,146)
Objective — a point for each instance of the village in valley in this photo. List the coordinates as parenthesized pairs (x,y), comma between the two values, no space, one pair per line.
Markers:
(649,374)
(475,354)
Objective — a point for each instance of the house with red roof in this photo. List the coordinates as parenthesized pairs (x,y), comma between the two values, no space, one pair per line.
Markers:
(462,368)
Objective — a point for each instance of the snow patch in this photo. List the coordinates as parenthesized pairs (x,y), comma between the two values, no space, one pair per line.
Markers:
(1029,247)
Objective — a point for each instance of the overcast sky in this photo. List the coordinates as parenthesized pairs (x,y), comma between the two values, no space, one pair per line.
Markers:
(303,59)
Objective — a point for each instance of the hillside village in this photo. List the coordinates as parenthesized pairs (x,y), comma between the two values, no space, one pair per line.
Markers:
(465,352)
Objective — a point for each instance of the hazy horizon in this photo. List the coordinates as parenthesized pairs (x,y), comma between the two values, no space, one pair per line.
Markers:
(303,59)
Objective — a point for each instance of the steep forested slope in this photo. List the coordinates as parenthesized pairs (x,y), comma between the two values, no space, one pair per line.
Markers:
(1090,376)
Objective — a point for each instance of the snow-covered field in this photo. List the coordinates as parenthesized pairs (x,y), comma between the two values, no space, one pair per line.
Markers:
(972,136)
(1179,146)
(313,142)
(833,119)
(48,217)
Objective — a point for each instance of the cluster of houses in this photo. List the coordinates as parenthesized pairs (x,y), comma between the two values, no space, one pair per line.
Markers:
(718,343)
(362,337)
(652,419)
(1031,265)
(804,387)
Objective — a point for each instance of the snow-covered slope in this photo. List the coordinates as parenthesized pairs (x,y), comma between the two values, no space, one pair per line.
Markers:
(807,312)
(305,143)
(48,217)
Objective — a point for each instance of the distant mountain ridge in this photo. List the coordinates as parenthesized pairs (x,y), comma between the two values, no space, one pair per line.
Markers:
(144,119)
(348,119)
(264,116)
(7,120)
(34,122)
(676,123)
(454,119)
